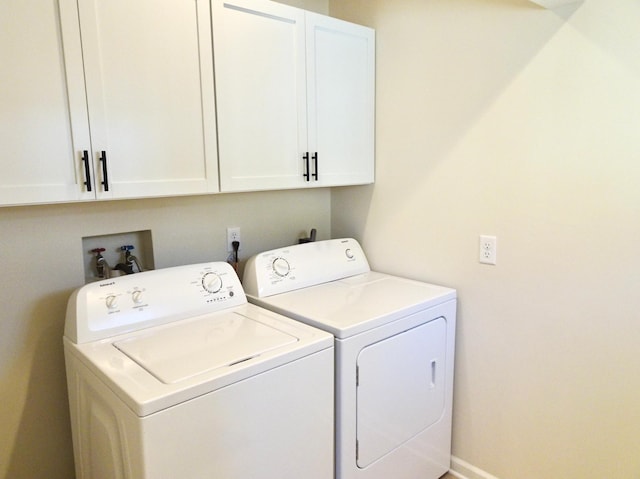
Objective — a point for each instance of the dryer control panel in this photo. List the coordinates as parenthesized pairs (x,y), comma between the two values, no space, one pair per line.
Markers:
(127,303)
(303,265)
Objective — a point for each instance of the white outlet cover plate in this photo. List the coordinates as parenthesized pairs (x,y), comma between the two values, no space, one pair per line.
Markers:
(487,253)
(233,234)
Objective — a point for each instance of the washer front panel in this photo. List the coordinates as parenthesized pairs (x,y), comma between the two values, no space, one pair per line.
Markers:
(247,430)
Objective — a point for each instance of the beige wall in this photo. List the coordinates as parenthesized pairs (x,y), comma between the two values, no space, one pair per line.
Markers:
(41,262)
(499,117)
(318,6)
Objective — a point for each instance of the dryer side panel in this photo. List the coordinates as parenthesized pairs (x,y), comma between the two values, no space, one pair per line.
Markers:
(401,389)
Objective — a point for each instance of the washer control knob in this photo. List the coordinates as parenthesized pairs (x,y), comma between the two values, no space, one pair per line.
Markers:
(211,282)
(137,296)
(349,253)
(111,301)
(281,267)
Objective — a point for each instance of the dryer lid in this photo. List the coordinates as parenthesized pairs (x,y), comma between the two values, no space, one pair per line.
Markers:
(357,304)
(184,350)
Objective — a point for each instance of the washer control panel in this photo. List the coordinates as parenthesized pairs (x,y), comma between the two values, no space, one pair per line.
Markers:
(127,303)
(303,265)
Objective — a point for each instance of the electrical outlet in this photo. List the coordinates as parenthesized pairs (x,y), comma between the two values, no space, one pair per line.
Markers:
(233,234)
(488,249)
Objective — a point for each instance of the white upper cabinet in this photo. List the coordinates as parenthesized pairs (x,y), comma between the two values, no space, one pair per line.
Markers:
(39,159)
(136,84)
(295,97)
(259,61)
(149,81)
(341,92)
(115,99)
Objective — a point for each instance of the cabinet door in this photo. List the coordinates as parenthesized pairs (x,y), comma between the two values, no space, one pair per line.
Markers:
(341,98)
(43,119)
(260,86)
(149,75)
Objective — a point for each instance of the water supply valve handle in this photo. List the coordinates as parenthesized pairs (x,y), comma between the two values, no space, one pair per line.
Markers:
(129,260)
(102,268)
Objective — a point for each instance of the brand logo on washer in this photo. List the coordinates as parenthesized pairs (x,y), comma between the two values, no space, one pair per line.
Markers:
(102,285)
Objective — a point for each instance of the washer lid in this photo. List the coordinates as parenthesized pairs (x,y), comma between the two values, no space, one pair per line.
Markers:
(185,350)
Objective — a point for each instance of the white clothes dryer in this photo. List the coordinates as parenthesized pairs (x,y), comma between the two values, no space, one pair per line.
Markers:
(394,345)
(172,374)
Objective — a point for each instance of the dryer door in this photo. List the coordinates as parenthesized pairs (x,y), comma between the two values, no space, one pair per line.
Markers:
(401,389)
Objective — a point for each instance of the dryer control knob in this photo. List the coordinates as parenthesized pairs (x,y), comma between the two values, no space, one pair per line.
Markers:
(281,267)
(349,253)
(111,301)
(211,282)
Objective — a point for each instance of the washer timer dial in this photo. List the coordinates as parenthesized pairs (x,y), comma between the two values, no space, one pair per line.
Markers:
(211,282)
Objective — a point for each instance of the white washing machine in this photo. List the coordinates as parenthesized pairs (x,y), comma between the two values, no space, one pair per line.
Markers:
(172,374)
(394,345)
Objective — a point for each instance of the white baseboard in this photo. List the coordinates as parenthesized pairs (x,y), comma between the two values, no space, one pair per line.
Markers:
(463,470)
